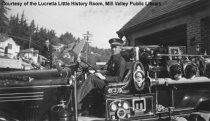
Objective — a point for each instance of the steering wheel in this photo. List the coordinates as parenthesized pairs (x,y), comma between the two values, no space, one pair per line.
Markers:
(84,70)
(85,66)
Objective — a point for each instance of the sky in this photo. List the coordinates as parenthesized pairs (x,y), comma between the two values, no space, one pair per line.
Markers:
(101,21)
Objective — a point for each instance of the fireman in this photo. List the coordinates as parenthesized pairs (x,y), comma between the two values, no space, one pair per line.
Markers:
(47,52)
(115,71)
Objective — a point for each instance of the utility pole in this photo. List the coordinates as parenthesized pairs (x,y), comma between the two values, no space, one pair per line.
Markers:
(30,34)
(30,42)
(87,38)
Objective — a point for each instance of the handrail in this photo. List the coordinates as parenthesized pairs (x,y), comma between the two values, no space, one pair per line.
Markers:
(183,55)
(169,81)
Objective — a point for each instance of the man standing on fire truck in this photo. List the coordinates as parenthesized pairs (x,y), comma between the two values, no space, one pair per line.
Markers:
(115,71)
(47,52)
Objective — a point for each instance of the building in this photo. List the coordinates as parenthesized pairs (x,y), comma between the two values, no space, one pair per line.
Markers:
(58,47)
(7,63)
(30,54)
(8,47)
(172,23)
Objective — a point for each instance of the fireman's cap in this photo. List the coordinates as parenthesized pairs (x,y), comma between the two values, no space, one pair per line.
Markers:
(115,42)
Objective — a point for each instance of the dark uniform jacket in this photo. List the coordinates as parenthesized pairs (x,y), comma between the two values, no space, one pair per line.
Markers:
(47,52)
(115,72)
(115,68)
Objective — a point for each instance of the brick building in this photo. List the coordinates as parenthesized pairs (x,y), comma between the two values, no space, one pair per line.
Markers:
(173,23)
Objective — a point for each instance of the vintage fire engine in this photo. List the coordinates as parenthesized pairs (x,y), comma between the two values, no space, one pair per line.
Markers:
(159,84)
(162,84)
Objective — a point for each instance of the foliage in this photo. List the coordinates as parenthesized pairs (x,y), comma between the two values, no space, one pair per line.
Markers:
(29,35)
(67,38)
(4,21)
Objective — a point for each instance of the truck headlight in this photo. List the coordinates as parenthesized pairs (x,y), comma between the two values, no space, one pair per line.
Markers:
(125,105)
(190,70)
(174,70)
(113,107)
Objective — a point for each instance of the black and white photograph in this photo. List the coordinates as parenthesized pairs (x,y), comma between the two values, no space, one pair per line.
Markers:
(104,60)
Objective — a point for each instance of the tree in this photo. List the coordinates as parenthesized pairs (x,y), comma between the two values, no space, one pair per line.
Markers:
(24,30)
(32,27)
(67,38)
(19,30)
(51,34)
(4,21)
(31,31)
(55,40)
(40,36)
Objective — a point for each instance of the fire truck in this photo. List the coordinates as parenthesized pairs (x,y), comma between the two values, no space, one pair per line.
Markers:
(159,84)
(174,86)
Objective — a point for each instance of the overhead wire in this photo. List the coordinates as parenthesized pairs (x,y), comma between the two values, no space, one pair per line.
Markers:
(25,40)
(35,11)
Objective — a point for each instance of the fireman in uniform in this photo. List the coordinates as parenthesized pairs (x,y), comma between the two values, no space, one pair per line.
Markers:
(47,52)
(115,71)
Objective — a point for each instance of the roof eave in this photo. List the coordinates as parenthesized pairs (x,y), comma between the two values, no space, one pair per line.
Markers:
(122,32)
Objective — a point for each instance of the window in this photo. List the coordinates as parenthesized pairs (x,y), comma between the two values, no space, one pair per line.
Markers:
(9,46)
(34,54)
(177,50)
